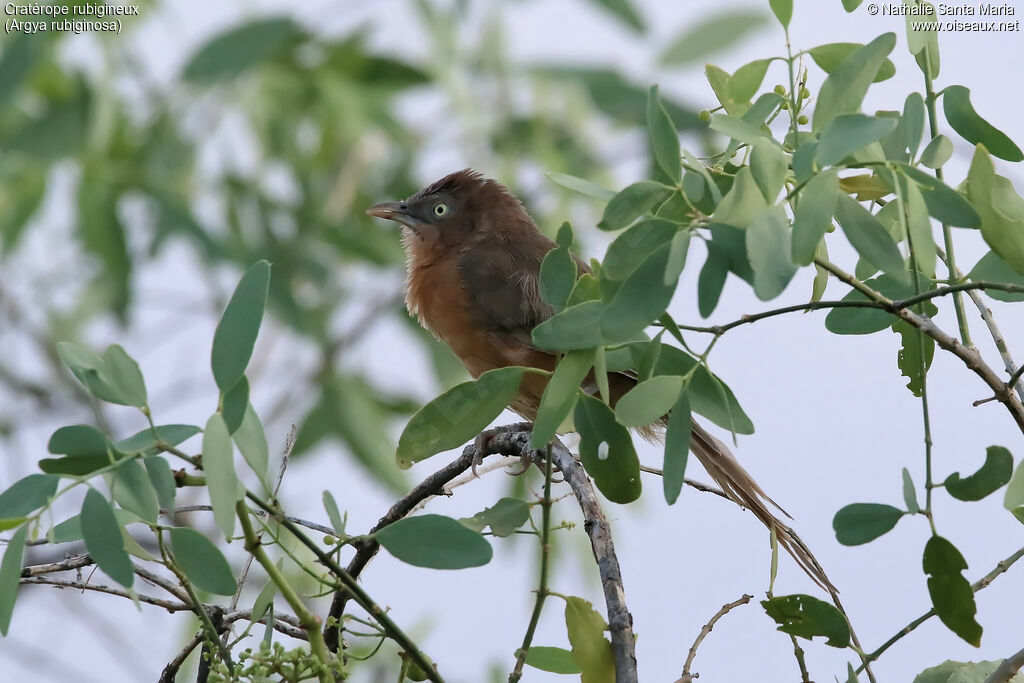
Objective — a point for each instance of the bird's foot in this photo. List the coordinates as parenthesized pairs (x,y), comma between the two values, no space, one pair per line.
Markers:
(484,445)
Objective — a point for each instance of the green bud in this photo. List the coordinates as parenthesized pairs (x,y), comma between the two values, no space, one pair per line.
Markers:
(802,120)
(785,104)
(704,115)
(780,89)
(804,93)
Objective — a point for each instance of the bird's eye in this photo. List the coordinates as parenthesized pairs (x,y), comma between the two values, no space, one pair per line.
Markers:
(440,209)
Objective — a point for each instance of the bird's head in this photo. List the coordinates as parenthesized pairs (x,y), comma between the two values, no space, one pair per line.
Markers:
(451,210)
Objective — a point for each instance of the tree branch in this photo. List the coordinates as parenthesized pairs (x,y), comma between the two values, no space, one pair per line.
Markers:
(1005,671)
(687,677)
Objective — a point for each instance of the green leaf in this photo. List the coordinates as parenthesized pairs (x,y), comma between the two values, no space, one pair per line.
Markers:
(677,252)
(768,166)
(252,442)
(202,562)
(507,515)
(79,441)
(912,344)
(956,103)
(71,529)
(233,404)
(132,489)
(736,128)
(10,575)
(632,202)
(851,5)
(102,535)
(743,202)
(435,542)
(677,448)
(99,224)
(590,649)
(710,35)
(869,320)
(869,238)
(783,11)
(912,122)
(231,53)
(26,495)
(910,493)
(577,327)
(995,473)
(744,83)
(606,450)
(221,480)
(806,617)
(830,56)
(813,215)
(708,395)
(145,441)
(923,40)
(937,152)
(919,228)
(559,395)
(664,137)
(332,514)
(991,268)
(849,133)
(114,377)
(554,660)
(695,164)
(768,249)
(648,401)
(951,593)
(21,53)
(557,277)
(457,415)
(1012,501)
(236,332)
(861,523)
(643,296)
(944,203)
(999,206)
(844,89)
(584,187)
(265,600)
(711,281)
(162,478)
(624,12)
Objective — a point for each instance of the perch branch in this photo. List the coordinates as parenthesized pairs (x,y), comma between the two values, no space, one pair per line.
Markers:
(1005,671)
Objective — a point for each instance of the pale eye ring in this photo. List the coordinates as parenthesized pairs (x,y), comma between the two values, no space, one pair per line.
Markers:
(440,209)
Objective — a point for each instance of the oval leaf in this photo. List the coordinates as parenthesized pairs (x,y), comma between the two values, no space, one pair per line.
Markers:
(236,332)
(768,250)
(202,562)
(590,649)
(844,89)
(457,415)
(813,215)
(951,593)
(232,52)
(560,395)
(648,401)
(632,202)
(606,450)
(830,56)
(643,296)
(863,522)
(556,660)
(27,495)
(103,540)
(956,103)
(435,542)
(850,133)
(664,137)
(221,479)
(677,448)
(937,152)
(10,574)
(869,238)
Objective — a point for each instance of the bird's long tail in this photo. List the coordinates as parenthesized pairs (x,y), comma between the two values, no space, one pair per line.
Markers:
(741,488)
(737,484)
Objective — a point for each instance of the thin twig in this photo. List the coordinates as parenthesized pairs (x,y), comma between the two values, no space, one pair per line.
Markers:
(993,329)
(978,585)
(687,677)
(169,605)
(314,526)
(542,583)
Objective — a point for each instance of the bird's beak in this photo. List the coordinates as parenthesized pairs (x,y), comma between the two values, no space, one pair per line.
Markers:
(398,212)
(391,211)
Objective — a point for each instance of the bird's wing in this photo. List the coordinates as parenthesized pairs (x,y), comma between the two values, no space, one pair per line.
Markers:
(503,286)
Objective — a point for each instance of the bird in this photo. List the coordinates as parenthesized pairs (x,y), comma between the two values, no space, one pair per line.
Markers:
(473,259)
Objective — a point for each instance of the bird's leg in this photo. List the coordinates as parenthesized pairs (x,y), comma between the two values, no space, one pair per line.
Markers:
(488,442)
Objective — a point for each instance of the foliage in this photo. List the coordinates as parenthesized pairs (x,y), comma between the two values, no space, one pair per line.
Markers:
(763,204)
